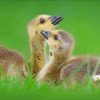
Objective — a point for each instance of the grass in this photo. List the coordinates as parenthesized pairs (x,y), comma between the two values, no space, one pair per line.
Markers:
(30,88)
(81,19)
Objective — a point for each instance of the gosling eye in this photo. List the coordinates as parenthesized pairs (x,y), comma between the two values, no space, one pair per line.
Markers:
(56,37)
(42,20)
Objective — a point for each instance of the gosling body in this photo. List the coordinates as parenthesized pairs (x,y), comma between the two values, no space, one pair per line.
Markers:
(12,63)
(80,68)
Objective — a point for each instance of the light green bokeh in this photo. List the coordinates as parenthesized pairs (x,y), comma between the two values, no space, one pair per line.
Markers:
(81,19)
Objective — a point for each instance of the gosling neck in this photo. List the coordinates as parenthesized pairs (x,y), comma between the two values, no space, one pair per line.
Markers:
(37,54)
(60,59)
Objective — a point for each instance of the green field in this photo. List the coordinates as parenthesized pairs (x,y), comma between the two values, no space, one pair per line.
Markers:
(81,19)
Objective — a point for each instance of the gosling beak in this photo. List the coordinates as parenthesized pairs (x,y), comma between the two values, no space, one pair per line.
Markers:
(46,34)
(56,19)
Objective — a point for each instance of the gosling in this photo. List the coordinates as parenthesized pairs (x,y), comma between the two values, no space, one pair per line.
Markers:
(37,59)
(60,44)
(12,63)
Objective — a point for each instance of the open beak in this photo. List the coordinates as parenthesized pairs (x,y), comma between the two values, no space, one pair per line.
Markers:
(56,19)
(46,34)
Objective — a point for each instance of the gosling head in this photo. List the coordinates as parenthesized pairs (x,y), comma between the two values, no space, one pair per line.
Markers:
(43,22)
(59,41)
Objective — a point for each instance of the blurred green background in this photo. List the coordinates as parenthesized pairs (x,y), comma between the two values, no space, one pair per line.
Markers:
(81,19)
